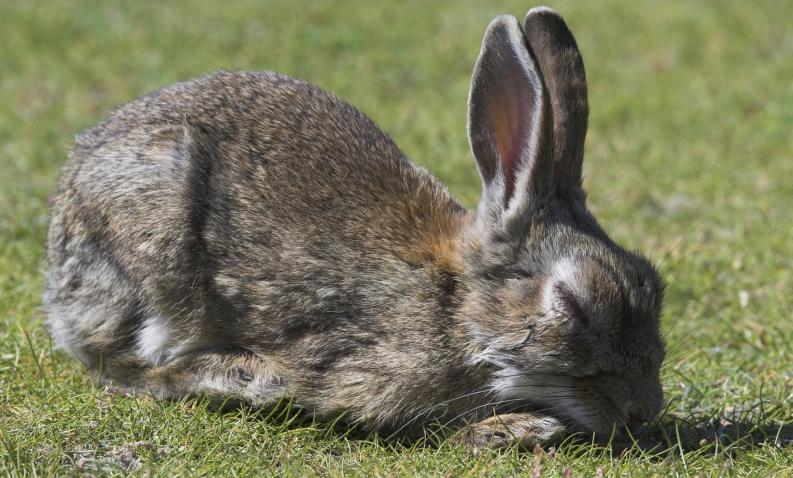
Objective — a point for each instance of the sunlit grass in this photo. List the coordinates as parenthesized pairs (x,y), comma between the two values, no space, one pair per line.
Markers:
(689,159)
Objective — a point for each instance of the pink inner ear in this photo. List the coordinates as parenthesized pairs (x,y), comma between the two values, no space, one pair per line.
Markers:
(509,120)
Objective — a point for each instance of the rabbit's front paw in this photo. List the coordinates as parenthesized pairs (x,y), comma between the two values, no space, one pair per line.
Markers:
(523,429)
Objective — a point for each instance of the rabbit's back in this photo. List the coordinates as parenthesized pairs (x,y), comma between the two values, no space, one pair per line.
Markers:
(246,208)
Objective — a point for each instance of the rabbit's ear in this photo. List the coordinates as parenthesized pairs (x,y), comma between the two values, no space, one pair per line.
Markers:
(562,70)
(510,125)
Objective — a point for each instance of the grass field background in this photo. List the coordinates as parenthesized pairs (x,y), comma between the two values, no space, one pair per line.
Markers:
(689,158)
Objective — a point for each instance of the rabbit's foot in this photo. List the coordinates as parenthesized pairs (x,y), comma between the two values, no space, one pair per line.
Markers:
(225,377)
(523,429)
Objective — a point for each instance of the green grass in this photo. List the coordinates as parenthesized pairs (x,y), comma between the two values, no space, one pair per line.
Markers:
(689,158)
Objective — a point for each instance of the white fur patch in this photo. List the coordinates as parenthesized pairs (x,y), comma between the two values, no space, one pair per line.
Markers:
(153,340)
(326,292)
(510,382)
(564,271)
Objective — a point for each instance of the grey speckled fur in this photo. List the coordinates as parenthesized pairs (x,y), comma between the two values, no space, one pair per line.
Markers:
(248,236)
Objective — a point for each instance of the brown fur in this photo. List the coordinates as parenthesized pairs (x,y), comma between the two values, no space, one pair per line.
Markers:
(250,237)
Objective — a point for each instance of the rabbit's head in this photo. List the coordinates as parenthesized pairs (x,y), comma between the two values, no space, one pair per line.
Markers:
(567,319)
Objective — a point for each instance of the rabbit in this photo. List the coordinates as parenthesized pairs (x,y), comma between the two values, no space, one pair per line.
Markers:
(247,236)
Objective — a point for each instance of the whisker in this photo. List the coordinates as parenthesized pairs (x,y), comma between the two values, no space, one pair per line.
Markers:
(446,402)
(433,408)
(694,326)
(679,242)
(694,253)
(539,374)
(490,404)
(552,391)
(549,386)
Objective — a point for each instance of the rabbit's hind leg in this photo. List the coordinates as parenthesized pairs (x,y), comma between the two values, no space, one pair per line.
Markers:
(224,376)
(98,314)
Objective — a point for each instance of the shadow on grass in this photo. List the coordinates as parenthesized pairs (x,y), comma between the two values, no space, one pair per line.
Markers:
(727,434)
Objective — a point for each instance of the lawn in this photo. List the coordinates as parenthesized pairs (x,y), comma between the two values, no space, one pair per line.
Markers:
(689,159)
